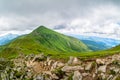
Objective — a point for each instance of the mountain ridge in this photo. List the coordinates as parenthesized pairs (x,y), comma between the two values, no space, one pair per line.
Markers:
(97,43)
(45,40)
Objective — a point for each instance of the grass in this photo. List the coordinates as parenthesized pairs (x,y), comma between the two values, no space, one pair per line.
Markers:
(51,43)
(65,55)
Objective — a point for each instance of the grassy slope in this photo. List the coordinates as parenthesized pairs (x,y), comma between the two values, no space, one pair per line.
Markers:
(91,55)
(95,46)
(36,42)
(44,40)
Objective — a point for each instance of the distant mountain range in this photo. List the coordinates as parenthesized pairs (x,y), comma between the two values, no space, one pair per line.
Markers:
(7,38)
(97,43)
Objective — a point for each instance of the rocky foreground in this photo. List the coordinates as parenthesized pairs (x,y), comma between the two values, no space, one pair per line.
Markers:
(40,67)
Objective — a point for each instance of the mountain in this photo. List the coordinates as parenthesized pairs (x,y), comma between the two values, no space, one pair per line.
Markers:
(7,38)
(45,40)
(116,48)
(97,43)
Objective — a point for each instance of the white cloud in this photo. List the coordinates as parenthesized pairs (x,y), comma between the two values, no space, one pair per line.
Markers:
(103,22)
(87,17)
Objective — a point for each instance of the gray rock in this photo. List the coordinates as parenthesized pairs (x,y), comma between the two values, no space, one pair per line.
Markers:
(100,61)
(110,77)
(75,61)
(103,76)
(4,76)
(102,68)
(88,66)
(77,76)
(72,68)
(40,57)
(70,60)
(85,74)
(39,77)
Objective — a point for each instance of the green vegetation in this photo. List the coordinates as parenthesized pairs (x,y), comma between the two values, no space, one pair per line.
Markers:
(51,43)
(95,46)
(43,40)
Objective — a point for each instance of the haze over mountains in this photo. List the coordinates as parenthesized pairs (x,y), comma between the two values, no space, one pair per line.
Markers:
(7,38)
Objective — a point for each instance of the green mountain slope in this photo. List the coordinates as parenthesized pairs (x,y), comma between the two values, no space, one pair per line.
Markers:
(95,46)
(116,48)
(44,40)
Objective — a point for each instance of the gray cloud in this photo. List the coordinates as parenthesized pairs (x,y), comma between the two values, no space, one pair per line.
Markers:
(78,16)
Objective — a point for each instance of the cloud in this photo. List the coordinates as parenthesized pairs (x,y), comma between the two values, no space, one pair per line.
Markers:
(87,17)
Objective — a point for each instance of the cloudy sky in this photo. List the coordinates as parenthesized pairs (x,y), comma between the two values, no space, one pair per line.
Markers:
(81,17)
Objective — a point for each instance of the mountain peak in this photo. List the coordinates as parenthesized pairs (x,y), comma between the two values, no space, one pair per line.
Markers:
(41,27)
(43,30)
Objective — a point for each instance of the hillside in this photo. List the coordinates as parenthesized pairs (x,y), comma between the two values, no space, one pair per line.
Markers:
(116,48)
(44,40)
(95,46)
(97,43)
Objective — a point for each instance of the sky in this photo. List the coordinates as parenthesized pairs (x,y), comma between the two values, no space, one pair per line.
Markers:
(81,17)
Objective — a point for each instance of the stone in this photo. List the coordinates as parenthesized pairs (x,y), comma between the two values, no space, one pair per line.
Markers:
(75,61)
(70,60)
(72,68)
(94,75)
(103,76)
(50,62)
(77,76)
(53,76)
(110,77)
(102,68)
(100,61)
(88,66)
(40,57)
(85,74)
(60,64)
(39,77)
(116,70)
(54,65)
(115,77)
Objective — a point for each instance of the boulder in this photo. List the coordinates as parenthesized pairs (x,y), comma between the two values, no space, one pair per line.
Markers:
(102,68)
(40,57)
(100,61)
(85,74)
(70,61)
(88,66)
(110,77)
(73,61)
(39,77)
(77,76)
(72,68)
